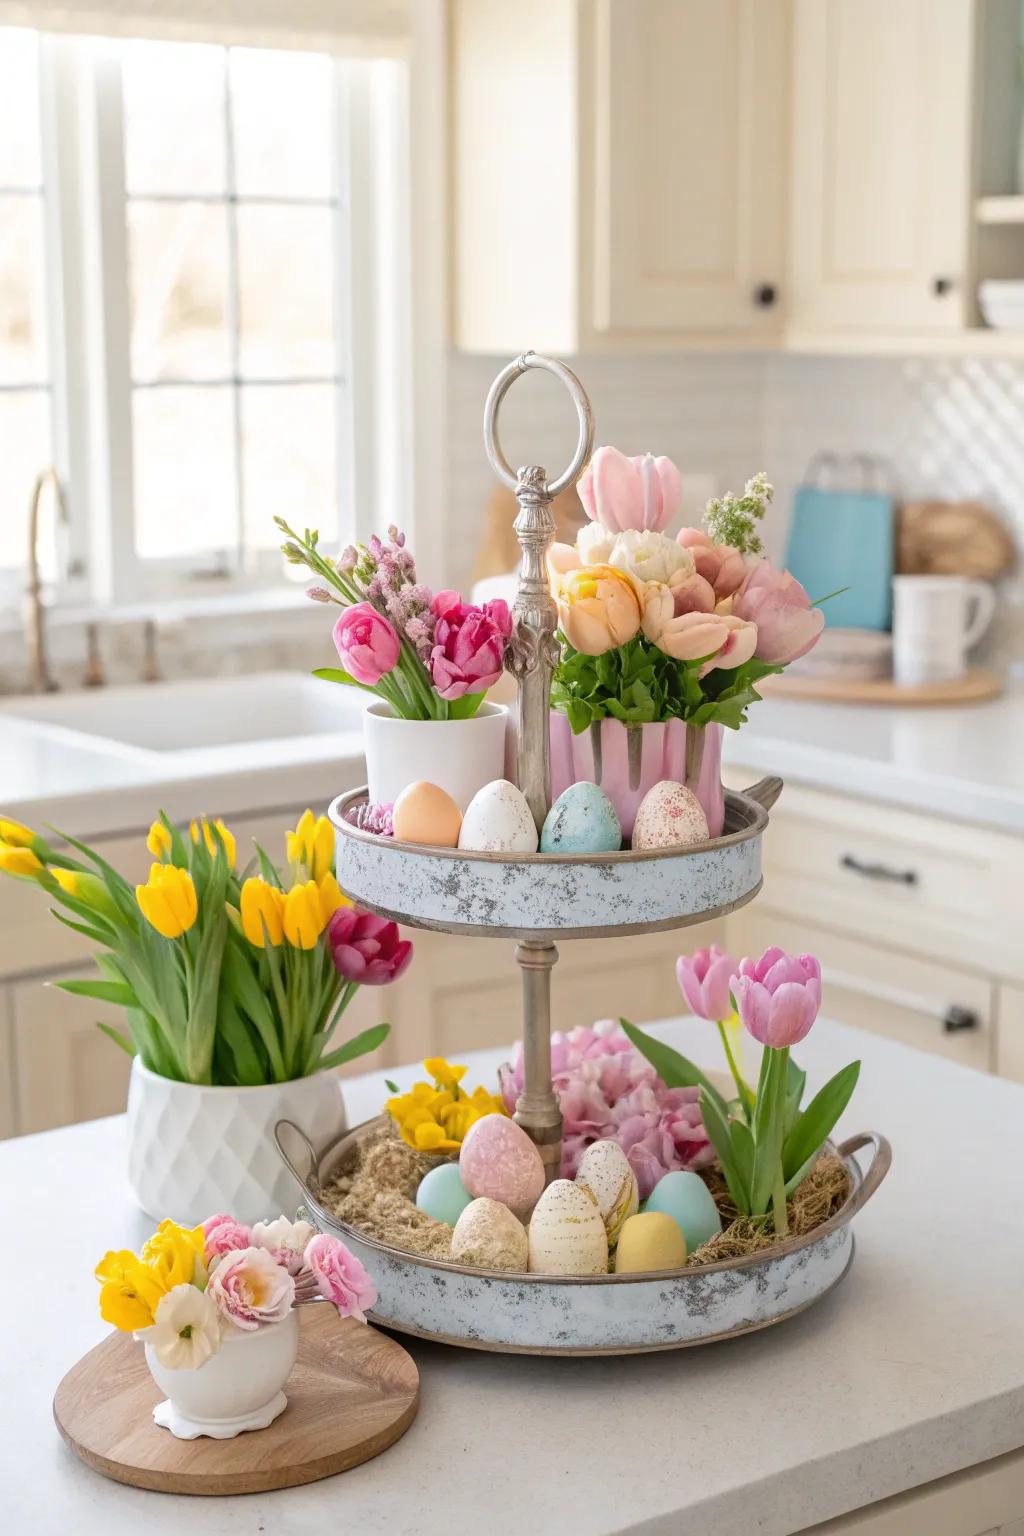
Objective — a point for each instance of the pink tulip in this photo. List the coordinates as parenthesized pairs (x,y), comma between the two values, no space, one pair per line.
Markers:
(705,979)
(787,625)
(778,996)
(720,564)
(223,1234)
(340,1277)
(691,594)
(690,637)
(620,492)
(740,643)
(468,652)
(251,1288)
(367,949)
(367,644)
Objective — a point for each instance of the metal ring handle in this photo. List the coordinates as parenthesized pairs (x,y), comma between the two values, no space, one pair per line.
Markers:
(878,1167)
(765,792)
(500,388)
(310,1182)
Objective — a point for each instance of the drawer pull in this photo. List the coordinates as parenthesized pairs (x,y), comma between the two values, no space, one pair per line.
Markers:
(957,1018)
(878,871)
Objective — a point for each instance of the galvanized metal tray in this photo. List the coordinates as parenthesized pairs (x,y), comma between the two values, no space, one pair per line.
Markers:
(592,1314)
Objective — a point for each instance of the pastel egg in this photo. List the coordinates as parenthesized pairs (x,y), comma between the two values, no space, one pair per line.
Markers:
(686,1198)
(604,1170)
(649,1241)
(498,1160)
(425,813)
(567,1235)
(498,820)
(582,820)
(488,1236)
(669,816)
(442,1193)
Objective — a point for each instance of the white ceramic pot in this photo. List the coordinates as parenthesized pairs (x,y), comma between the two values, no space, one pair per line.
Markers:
(459,755)
(240,1387)
(194,1151)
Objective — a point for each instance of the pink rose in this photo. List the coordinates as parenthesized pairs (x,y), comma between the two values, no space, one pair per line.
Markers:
(468,652)
(223,1234)
(367,949)
(251,1288)
(620,492)
(720,564)
(787,625)
(340,1277)
(367,644)
(705,978)
(778,996)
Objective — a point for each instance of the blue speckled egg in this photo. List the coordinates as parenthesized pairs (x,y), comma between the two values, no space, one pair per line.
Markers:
(442,1193)
(686,1198)
(582,820)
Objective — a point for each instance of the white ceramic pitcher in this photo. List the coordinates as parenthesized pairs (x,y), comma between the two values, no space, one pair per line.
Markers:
(936,620)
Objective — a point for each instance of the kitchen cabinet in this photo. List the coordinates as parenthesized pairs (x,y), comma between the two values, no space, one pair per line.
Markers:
(65,1069)
(1010,1012)
(618,172)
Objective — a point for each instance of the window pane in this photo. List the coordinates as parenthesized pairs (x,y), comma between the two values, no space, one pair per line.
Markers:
(22,335)
(288,460)
(174,117)
(19,108)
(26,449)
(184,471)
(285,270)
(179,285)
(281,114)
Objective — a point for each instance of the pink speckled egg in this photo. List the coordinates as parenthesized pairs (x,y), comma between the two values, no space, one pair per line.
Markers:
(669,816)
(498,1161)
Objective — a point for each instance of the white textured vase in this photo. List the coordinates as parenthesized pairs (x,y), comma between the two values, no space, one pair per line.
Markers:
(459,755)
(240,1387)
(194,1151)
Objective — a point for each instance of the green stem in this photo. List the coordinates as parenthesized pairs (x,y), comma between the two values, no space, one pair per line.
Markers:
(743,1089)
(779,1191)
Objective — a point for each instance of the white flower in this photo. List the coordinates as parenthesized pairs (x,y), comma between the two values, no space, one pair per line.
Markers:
(594,544)
(282,1233)
(648,556)
(186,1329)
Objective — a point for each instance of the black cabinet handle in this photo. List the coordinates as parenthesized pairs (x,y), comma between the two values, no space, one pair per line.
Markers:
(957,1018)
(765,295)
(878,871)
(941,286)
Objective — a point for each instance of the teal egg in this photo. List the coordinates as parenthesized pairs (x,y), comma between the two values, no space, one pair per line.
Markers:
(686,1198)
(442,1193)
(582,820)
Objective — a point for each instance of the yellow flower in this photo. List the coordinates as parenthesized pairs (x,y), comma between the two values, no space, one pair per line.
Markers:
(159,841)
(130,1291)
(17,860)
(444,1075)
(261,903)
(304,919)
(331,896)
(212,845)
(173,1254)
(87,888)
(16,833)
(436,1118)
(168,900)
(312,844)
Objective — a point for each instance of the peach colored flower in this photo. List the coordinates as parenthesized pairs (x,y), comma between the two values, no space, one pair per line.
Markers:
(740,643)
(598,608)
(251,1288)
(720,564)
(690,637)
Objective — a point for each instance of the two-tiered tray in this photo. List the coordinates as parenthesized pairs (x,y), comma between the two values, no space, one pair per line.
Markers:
(534,900)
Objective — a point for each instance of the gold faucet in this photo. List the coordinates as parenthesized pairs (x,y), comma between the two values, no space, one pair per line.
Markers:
(42,680)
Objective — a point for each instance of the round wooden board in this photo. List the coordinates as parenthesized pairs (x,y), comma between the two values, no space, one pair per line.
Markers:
(353,1393)
(975,685)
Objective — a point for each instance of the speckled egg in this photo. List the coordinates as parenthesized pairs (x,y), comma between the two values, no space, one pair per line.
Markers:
(498,820)
(686,1198)
(669,816)
(442,1193)
(488,1236)
(567,1235)
(604,1170)
(498,1160)
(649,1241)
(425,813)
(582,820)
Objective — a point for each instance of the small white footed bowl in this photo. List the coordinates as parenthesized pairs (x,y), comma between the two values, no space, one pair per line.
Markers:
(240,1387)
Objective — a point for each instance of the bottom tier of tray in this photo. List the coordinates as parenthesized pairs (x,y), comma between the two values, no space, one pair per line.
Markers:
(604,1314)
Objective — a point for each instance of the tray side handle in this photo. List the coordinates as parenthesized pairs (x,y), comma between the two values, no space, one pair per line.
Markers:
(308,1182)
(878,1167)
(766,791)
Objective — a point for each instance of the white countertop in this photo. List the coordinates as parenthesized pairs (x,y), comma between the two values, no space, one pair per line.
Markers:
(911,1370)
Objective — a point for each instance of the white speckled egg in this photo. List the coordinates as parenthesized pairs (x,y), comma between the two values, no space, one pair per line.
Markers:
(500,1161)
(498,820)
(604,1170)
(488,1236)
(669,816)
(582,820)
(567,1235)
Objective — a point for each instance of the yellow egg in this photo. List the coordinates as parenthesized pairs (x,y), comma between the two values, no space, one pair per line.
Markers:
(424,813)
(651,1240)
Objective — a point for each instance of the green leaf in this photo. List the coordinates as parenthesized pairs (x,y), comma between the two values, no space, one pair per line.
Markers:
(117,1037)
(742,1150)
(117,992)
(814,1126)
(359,1045)
(83,928)
(466,707)
(801,1173)
(768,1131)
(720,1130)
(339,675)
(796,1080)
(267,867)
(390,1086)
(675,1071)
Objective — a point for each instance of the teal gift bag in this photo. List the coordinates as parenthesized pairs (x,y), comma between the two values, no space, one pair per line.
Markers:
(844,538)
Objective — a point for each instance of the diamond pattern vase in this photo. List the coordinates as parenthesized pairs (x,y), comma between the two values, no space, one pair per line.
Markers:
(195,1150)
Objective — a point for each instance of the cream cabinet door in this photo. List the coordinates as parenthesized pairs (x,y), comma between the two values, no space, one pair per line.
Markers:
(1010,1032)
(880,164)
(65,1069)
(690,101)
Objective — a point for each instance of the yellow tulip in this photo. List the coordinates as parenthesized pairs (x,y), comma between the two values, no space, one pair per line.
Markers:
(159,841)
(312,844)
(17,860)
(598,609)
(86,887)
(173,1253)
(168,900)
(130,1291)
(15,833)
(331,896)
(261,903)
(212,845)
(443,1073)
(304,919)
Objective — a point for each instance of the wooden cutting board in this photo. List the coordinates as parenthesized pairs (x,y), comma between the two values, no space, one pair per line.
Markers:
(975,685)
(353,1393)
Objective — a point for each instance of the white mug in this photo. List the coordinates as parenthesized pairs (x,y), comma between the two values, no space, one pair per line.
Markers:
(936,620)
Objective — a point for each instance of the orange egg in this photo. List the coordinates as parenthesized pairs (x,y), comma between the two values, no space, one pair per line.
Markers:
(424,813)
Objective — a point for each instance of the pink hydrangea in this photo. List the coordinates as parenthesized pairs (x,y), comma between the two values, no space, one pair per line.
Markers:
(223,1234)
(608,1090)
(340,1277)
